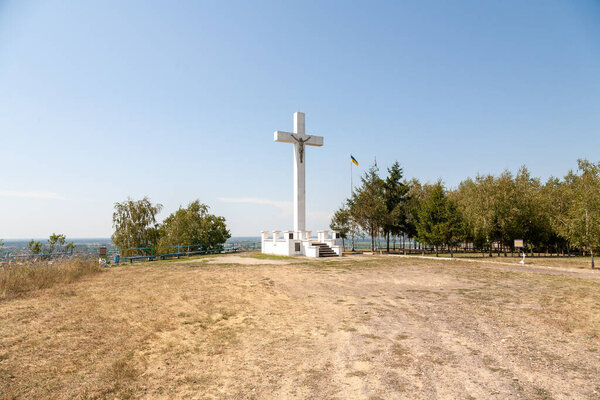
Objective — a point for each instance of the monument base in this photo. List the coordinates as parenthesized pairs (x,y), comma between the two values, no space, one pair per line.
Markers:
(300,243)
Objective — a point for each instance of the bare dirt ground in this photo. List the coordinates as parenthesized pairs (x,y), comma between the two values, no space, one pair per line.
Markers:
(547,268)
(236,259)
(362,327)
(562,261)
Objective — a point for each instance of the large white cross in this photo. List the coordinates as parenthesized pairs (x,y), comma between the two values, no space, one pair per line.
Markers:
(300,139)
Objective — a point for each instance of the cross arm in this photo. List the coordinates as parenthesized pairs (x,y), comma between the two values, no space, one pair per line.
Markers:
(287,137)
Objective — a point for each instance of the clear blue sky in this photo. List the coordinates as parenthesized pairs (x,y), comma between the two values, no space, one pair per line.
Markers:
(176,100)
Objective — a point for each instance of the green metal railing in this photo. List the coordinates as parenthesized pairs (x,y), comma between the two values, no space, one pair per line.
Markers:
(117,255)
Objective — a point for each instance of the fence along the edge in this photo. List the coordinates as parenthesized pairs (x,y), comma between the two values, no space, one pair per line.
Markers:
(132,254)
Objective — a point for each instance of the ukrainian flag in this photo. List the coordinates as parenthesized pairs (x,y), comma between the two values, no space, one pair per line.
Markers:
(353,160)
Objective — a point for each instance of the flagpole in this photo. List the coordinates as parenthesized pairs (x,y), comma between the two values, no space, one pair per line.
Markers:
(351,188)
(351,194)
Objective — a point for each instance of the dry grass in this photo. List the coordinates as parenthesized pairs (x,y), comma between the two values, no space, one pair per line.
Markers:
(538,260)
(18,279)
(431,329)
(565,302)
(263,256)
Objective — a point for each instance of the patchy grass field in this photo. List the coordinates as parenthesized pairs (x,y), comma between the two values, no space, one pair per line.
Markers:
(357,327)
(515,258)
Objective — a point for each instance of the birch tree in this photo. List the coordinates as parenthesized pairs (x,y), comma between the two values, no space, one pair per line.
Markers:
(135,224)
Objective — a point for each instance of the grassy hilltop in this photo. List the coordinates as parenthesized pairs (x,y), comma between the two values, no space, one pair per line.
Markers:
(236,326)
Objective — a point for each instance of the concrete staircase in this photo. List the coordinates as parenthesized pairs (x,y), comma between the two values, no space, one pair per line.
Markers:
(324,250)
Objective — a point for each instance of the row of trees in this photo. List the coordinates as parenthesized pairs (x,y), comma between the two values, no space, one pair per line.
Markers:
(57,243)
(136,226)
(484,212)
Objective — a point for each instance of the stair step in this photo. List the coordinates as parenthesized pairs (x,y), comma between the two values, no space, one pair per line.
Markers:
(325,250)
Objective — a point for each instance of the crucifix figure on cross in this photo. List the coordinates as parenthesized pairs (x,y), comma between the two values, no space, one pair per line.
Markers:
(299,139)
(301,142)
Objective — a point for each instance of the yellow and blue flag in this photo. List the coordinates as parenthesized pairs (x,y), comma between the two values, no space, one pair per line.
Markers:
(353,160)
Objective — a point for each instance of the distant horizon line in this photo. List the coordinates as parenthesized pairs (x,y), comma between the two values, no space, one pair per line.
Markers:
(101,238)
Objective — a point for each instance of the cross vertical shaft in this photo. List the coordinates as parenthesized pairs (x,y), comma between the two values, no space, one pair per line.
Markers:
(300,140)
(299,177)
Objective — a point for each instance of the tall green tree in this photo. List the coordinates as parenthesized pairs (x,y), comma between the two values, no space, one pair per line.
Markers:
(341,221)
(431,216)
(135,224)
(557,201)
(194,225)
(415,196)
(476,200)
(532,221)
(454,228)
(439,222)
(395,193)
(583,215)
(504,208)
(367,205)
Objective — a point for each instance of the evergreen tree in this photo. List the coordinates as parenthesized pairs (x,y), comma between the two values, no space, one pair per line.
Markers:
(367,205)
(415,195)
(453,228)
(342,222)
(439,221)
(396,199)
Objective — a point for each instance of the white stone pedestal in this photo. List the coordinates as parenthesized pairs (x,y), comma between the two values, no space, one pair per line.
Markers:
(290,243)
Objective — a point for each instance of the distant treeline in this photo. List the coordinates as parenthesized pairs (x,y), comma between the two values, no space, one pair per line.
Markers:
(136,227)
(561,215)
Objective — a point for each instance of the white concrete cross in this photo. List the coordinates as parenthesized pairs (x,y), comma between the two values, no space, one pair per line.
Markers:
(299,139)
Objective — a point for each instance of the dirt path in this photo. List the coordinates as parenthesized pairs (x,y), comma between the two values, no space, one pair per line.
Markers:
(356,328)
(237,259)
(545,269)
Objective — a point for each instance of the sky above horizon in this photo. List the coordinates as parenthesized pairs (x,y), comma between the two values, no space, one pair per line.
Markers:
(177,101)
